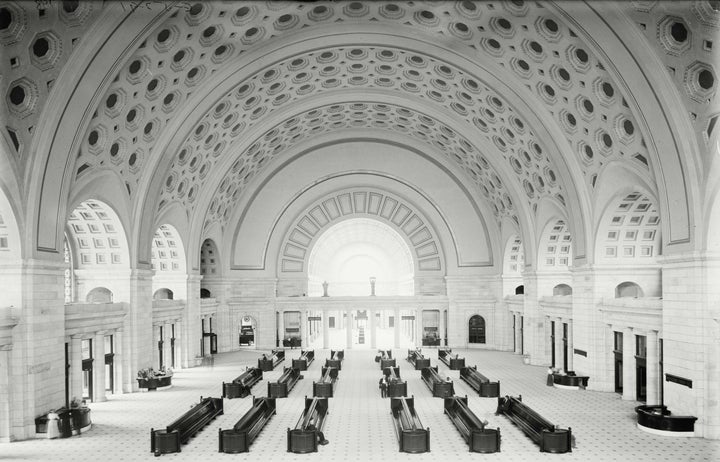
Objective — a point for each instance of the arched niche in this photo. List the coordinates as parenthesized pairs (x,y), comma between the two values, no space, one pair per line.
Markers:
(562,289)
(628,289)
(99,295)
(163,294)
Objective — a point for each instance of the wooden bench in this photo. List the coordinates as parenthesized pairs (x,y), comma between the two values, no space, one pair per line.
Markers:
(395,386)
(336,359)
(454,363)
(181,430)
(416,358)
(480,383)
(266,364)
(440,388)
(325,387)
(241,385)
(284,384)
(240,437)
(540,430)
(385,359)
(306,357)
(411,435)
(305,436)
(473,431)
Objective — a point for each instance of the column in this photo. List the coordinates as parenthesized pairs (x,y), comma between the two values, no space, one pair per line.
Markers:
(348,329)
(396,328)
(138,344)
(653,370)
(571,352)
(167,352)
(373,329)
(441,328)
(304,331)
(99,367)
(418,327)
(628,364)
(518,333)
(326,328)
(76,374)
(559,343)
(5,393)
(117,360)
(191,333)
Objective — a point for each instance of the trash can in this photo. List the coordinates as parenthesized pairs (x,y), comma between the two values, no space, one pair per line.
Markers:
(65,424)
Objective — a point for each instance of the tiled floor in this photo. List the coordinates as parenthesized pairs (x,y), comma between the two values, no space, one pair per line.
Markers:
(359,425)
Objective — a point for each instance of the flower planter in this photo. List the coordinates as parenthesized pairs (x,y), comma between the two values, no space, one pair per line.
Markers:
(158,382)
(69,422)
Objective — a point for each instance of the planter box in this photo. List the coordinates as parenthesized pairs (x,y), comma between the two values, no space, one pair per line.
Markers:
(155,383)
(69,422)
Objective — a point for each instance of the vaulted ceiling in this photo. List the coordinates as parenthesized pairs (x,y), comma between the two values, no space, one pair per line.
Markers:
(203,100)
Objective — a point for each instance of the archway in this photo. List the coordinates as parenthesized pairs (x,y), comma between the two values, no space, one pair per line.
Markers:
(476,329)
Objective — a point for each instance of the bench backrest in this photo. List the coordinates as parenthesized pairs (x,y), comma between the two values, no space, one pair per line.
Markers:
(518,409)
(188,421)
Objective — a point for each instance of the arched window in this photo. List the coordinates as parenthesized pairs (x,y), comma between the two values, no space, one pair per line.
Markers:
(520,290)
(99,295)
(204,293)
(628,290)
(562,289)
(163,294)
(476,329)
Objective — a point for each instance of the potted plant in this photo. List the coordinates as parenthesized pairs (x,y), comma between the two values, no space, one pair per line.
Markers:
(80,414)
(147,378)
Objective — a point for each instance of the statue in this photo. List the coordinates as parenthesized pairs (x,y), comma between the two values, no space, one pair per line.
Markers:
(325,287)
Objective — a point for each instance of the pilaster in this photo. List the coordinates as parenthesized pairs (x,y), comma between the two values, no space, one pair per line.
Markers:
(138,345)
(192,328)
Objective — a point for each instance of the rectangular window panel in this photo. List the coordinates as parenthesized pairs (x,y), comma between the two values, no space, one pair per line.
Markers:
(628,251)
(630,235)
(610,251)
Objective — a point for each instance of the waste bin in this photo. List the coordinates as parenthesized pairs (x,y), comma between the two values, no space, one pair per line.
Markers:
(65,424)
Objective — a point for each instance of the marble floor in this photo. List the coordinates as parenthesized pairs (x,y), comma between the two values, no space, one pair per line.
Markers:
(359,426)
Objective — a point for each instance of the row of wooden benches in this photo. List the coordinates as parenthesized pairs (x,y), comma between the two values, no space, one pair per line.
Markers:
(239,438)
(549,437)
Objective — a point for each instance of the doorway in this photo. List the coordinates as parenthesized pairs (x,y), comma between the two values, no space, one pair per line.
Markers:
(87,369)
(618,354)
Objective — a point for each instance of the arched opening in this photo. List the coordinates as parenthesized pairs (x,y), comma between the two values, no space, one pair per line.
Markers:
(163,294)
(205,293)
(520,290)
(168,261)
(99,295)
(357,255)
(555,250)
(513,264)
(630,231)
(562,289)
(628,289)
(476,329)
(209,259)
(97,253)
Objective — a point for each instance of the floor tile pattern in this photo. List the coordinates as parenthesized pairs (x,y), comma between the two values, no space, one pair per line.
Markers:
(359,425)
